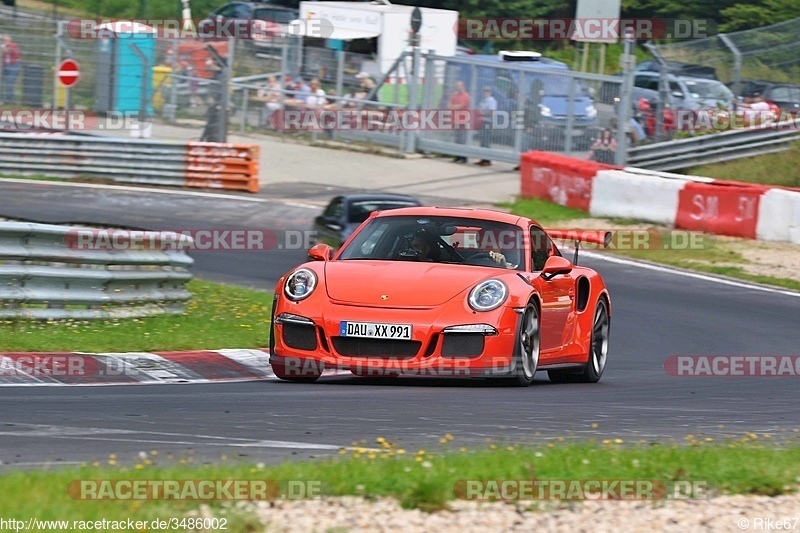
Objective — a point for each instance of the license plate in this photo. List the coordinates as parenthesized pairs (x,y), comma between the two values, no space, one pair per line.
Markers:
(375,331)
(577,132)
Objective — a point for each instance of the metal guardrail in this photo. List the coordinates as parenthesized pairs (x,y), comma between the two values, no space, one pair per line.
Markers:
(181,164)
(716,147)
(42,276)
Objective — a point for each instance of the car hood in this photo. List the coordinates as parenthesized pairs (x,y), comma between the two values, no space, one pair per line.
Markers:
(400,283)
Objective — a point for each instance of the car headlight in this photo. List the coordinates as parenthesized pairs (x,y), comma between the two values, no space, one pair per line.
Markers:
(591,111)
(545,111)
(488,295)
(300,284)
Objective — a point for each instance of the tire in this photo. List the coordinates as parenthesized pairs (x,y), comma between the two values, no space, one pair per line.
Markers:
(307,377)
(592,371)
(526,348)
(280,368)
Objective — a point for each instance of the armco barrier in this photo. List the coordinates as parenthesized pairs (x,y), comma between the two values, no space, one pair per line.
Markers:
(43,276)
(181,164)
(559,179)
(686,202)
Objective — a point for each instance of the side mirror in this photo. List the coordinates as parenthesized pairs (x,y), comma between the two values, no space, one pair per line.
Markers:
(677,94)
(554,266)
(320,252)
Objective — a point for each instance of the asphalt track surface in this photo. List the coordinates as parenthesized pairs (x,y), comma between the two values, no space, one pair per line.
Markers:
(655,314)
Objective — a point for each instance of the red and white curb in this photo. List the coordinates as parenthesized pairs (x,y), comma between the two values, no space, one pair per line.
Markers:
(89,369)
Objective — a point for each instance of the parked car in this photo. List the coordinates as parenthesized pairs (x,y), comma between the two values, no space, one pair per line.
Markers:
(345,213)
(783,95)
(609,92)
(689,70)
(545,97)
(683,93)
(430,291)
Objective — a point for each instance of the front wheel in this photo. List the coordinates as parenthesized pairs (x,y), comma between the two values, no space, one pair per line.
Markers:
(598,351)
(297,375)
(526,349)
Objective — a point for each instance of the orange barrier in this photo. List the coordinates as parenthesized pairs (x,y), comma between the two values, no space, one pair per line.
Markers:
(222,166)
(558,178)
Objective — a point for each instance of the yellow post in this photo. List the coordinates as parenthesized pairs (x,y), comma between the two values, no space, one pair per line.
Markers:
(61,96)
(161,78)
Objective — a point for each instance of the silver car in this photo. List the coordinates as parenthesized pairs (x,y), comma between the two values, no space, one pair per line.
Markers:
(684,93)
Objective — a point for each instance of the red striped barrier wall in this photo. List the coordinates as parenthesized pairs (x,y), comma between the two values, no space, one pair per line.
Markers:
(687,202)
(559,179)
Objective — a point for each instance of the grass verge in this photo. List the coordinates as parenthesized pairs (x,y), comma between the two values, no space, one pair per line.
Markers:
(781,169)
(217,316)
(712,256)
(542,211)
(420,479)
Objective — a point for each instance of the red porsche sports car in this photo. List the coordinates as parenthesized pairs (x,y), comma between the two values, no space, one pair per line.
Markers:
(429,291)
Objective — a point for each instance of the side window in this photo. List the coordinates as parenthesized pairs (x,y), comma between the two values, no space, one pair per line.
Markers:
(335,209)
(228,12)
(541,248)
(781,94)
(643,82)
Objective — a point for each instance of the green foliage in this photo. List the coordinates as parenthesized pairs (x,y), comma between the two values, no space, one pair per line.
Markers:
(743,16)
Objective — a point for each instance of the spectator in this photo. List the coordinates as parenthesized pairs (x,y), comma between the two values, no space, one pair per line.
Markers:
(302,91)
(487,108)
(604,148)
(271,95)
(366,85)
(459,101)
(316,97)
(11,66)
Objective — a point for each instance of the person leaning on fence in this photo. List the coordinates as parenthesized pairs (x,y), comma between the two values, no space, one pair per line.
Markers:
(487,108)
(459,101)
(11,66)
(271,96)
(366,87)
(604,148)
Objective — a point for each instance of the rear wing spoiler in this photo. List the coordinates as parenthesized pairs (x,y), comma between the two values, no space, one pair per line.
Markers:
(603,238)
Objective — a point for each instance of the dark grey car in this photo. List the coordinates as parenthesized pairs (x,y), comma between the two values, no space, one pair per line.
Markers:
(345,213)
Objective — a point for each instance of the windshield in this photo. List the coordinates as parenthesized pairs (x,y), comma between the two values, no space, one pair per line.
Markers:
(454,240)
(709,89)
(557,85)
(359,210)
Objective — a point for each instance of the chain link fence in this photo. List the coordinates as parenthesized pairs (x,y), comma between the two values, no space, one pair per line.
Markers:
(240,85)
(770,53)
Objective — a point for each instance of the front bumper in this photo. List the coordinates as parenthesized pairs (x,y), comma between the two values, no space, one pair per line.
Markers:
(440,343)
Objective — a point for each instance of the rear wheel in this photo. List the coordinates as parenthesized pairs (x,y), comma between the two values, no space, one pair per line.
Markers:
(598,351)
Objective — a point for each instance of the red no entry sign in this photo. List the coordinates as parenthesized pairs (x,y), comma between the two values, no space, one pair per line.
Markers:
(68,73)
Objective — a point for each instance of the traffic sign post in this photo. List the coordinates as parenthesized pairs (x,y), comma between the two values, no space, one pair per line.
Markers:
(68,72)
(67,75)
